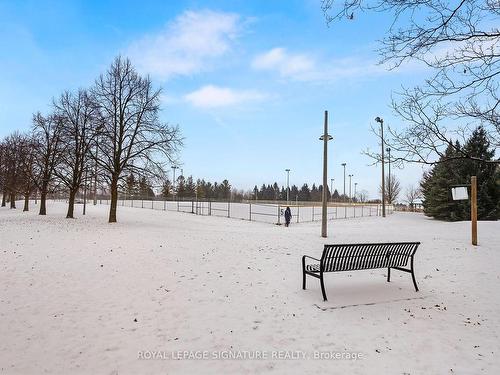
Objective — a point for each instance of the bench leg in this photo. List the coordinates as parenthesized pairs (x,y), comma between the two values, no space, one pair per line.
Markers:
(323,288)
(413,276)
(388,274)
(303,273)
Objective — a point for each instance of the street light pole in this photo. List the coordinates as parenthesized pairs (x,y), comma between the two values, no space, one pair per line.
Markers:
(325,138)
(174,167)
(344,164)
(389,187)
(355,188)
(350,196)
(287,186)
(331,188)
(381,122)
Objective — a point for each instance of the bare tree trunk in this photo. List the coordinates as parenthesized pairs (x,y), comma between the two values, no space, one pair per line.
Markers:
(4,195)
(114,200)
(71,204)
(26,202)
(43,208)
(12,200)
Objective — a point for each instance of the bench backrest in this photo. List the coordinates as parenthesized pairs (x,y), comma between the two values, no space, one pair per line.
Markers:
(367,256)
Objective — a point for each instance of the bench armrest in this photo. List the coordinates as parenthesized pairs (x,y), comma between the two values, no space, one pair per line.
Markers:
(307,256)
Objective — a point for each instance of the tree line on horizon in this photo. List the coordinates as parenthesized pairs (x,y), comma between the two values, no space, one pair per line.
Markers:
(187,188)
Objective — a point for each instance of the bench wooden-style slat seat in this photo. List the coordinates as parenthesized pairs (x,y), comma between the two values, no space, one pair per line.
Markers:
(352,257)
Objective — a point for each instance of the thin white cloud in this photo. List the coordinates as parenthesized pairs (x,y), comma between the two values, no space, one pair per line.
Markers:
(286,64)
(187,45)
(210,96)
(307,68)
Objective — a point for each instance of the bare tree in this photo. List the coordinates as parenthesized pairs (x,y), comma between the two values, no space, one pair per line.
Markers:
(26,168)
(3,171)
(11,158)
(77,112)
(363,196)
(392,188)
(47,135)
(412,193)
(460,42)
(132,138)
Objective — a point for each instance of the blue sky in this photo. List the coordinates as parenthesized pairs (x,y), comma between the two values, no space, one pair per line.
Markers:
(247,81)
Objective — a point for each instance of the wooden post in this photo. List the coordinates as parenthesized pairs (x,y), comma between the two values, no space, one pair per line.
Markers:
(473,209)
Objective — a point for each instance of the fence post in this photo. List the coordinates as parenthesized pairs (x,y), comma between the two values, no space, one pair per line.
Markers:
(250,212)
(298,213)
(164,204)
(209,208)
(228,208)
(192,207)
(279,221)
(152,203)
(313,212)
(354,211)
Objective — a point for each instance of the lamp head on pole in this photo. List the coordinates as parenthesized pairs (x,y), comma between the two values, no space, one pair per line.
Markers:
(379,120)
(322,138)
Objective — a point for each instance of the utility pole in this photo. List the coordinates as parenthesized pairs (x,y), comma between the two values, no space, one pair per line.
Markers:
(344,164)
(350,196)
(389,188)
(174,167)
(331,188)
(355,187)
(287,186)
(381,122)
(325,138)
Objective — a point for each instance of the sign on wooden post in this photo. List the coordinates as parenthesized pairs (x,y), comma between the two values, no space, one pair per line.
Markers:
(460,193)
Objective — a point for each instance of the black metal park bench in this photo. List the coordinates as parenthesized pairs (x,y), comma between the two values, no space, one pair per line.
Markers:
(352,257)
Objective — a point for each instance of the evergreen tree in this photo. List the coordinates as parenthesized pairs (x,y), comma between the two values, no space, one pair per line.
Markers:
(315,195)
(190,187)
(294,192)
(130,186)
(436,184)
(166,189)
(225,190)
(304,193)
(255,192)
(181,187)
(336,195)
(488,192)
(145,189)
(200,189)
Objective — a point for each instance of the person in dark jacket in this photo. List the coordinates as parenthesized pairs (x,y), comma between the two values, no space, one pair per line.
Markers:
(288,216)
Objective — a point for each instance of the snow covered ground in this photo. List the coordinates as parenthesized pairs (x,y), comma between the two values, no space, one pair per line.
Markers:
(83,296)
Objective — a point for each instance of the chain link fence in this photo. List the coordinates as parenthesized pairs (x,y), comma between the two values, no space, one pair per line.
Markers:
(258,211)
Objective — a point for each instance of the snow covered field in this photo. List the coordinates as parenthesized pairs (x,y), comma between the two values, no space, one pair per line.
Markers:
(83,296)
